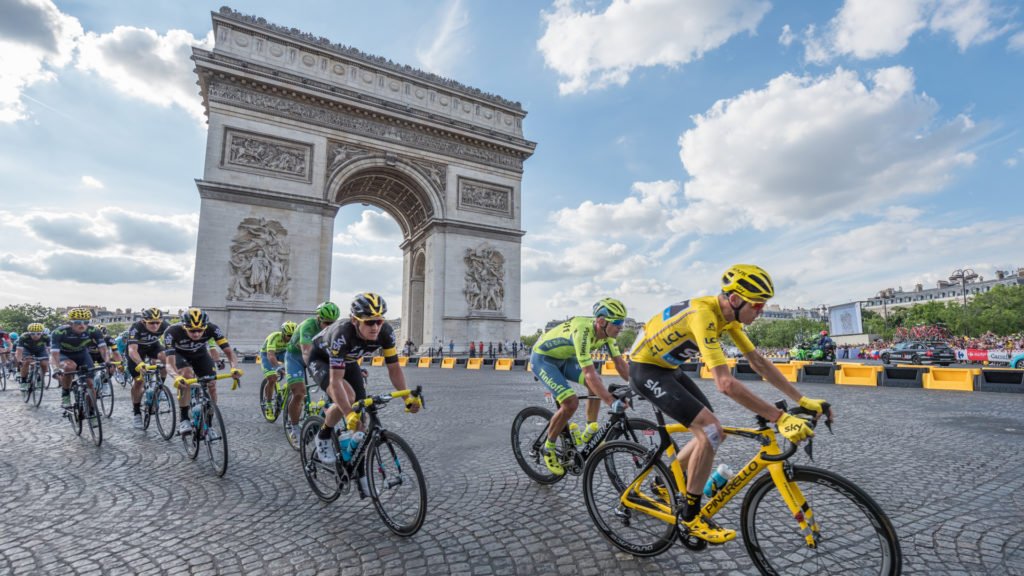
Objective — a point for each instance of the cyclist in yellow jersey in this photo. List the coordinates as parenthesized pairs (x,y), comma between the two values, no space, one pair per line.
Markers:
(562,355)
(692,328)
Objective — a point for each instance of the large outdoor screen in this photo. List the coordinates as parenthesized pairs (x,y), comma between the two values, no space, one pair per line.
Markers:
(845,319)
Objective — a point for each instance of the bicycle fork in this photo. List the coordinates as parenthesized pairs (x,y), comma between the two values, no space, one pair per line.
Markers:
(794,499)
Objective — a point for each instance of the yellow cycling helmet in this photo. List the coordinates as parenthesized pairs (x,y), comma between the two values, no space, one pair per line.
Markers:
(749,282)
(79,314)
(288,329)
(195,319)
(36,328)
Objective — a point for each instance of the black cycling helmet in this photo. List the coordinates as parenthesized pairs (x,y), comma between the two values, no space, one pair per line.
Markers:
(368,305)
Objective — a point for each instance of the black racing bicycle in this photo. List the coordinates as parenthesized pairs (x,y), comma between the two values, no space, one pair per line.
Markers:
(207,425)
(83,408)
(530,430)
(394,478)
(157,402)
(33,385)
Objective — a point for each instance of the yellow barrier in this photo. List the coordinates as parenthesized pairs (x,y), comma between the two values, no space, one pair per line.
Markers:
(377,361)
(448,363)
(529,366)
(503,364)
(799,363)
(961,379)
(474,363)
(424,362)
(608,368)
(359,361)
(857,374)
(790,371)
(403,360)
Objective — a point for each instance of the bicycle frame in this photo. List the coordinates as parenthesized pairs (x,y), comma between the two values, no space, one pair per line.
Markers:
(584,451)
(770,457)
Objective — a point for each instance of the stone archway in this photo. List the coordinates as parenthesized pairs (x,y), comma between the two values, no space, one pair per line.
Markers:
(298,127)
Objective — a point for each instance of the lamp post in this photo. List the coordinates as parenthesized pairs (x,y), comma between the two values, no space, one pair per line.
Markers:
(822,311)
(963,276)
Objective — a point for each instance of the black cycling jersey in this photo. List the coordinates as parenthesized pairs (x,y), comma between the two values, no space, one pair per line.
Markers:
(65,339)
(176,340)
(111,345)
(38,347)
(139,334)
(340,343)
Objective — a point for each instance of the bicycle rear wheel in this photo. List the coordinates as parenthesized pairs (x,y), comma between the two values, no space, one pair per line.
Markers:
(165,411)
(106,395)
(75,415)
(92,416)
(609,471)
(216,440)
(323,478)
(529,432)
(854,536)
(3,377)
(396,483)
(37,388)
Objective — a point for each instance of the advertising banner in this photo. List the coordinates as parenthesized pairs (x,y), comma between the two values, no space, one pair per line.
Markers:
(845,319)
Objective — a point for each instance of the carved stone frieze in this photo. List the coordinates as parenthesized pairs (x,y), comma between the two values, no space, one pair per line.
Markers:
(483,197)
(485,278)
(232,94)
(391,192)
(259,261)
(261,154)
(340,153)
(436,173)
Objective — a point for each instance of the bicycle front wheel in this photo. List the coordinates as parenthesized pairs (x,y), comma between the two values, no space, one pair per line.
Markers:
(272,405)
(106,396)
(529,432)
(93,417)
(608,473)
(396,483)
(322,478)
(37,389)
(853,534)
(216,440)
(165,410)
(27,391)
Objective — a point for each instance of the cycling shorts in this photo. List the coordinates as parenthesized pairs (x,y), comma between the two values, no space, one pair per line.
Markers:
(556,374)
(81,358)
(201,363)
(295,367)
(670,390)
(320,372)
(268,368)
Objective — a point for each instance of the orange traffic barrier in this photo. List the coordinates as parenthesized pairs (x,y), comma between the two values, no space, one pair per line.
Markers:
(608,368)
(403,360)
(503,364)
(789,370)
(448,362)
(424,362)
(960,379)
(474,363)
(377,361)
(857,374)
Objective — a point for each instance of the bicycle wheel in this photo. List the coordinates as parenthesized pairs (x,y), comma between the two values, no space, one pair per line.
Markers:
(607,474)
(641,431)
(854,535)
(75,415)
(165,411)
(48,379)
(191,441)
(529,432)
(106,395)
(27,392)
(37,388)
(396,483)
(3,377)
(216,440)
(93,417)
(323,478)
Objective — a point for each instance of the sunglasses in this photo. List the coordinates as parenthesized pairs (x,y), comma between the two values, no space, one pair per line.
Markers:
(153,322)
(618,322)
(376,322)
(80,322)
(196,331)
(757,307)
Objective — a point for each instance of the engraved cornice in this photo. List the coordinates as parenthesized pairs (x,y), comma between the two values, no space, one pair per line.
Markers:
(209,63)
(280,200)
(378,128)
(322,43)
(339,154)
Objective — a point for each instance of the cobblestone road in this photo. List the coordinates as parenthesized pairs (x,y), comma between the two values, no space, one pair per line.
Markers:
(946,467)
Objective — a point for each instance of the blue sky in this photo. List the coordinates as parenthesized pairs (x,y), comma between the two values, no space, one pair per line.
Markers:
(846,146)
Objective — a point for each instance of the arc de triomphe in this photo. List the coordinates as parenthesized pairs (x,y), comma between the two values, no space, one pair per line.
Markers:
(299,127)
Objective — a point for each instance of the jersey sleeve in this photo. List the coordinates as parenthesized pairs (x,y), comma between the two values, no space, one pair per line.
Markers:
(613,348)
(133,335)
(705,334)
(169,343)
(389,344)
(740,338)
(218,336)
(583,340)
(306,333)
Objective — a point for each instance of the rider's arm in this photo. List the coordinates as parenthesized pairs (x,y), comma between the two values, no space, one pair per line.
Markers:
(769,372)
(306,349)
(133,353)
(232,359)
(728,384)
(621,367)
(273,358)
(397,375)
(582,339)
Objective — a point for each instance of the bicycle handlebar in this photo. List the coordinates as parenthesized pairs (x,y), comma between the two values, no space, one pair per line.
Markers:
(205,379)
(812,422)
(385,398)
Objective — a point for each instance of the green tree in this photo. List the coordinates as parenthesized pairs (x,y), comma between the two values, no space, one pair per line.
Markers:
(17,317)
(1000,310)
(115,328)
(783,333)
(531,339)
(625,339)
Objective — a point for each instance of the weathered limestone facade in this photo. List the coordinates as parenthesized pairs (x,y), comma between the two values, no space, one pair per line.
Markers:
(299,127)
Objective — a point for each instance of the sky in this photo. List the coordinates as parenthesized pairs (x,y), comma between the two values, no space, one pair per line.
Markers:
(846,146)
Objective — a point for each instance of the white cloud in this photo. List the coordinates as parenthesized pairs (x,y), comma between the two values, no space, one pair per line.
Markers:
(372,227)
(593,50)
(449,44)
(808,148)
(91,268)
(786,37)
(1012,161)
(352,273)
(93,183)
(109,229)
(36,40)
(865,29)
(1017,42)
(643,213)
(142,64)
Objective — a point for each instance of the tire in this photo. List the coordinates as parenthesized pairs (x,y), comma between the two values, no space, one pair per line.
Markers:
(93,417)
(3,378)
(191,441)
(529,431)
(27,391)
(1019,364)
(106,396)
(76,416)
(37,388)
(215,438)
(121,378)
(916,360)
(885,358)
(397,486)
(165,411)
(324,479)
(865,534)
(607,474)
(641,431)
